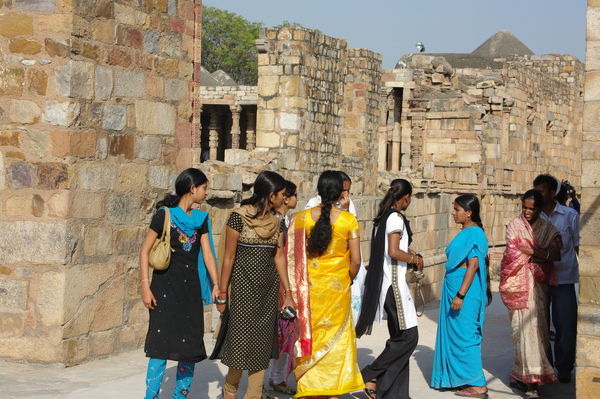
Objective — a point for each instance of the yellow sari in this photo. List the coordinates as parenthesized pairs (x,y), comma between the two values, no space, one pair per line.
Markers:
(326,360)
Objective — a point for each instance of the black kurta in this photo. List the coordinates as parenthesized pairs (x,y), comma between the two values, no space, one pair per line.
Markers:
(176,328)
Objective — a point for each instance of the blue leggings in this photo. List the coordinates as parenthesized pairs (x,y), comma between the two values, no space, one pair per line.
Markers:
(156,372)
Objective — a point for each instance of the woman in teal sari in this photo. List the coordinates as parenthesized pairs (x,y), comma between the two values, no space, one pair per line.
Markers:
(465,294)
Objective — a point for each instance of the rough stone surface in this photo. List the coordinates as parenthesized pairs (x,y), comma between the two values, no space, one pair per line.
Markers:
(53,175)
(114,117)
(13,293)
(36,5)
(97,240)
(162,177)
(147,148)
(61,114)
(97,176)
(123,209)
(56,48)
(38,81)
(132,177)
(103,83)
(50,305)
(24,111)
(37,206)
(25,46)
(130,84)
(21,175)
(155,118)
(121,145)
(16,238)
(12,24)
(37,143)
(76,79)
(2,174)
(11,81)
(176,89)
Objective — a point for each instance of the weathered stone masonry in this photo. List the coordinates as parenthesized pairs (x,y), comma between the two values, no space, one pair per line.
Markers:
(95,121)
(100,118)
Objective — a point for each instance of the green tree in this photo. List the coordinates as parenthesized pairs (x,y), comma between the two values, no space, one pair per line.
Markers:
(228,43)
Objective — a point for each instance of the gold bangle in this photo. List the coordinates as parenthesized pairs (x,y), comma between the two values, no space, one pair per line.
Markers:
(548,255)
(411,259)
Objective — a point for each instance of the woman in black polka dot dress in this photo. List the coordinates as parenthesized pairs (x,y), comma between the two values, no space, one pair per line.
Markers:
(253,265)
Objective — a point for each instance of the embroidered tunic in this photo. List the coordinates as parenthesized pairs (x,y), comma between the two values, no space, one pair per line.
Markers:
(176,328)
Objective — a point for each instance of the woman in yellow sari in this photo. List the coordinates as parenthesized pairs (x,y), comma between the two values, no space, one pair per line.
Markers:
(323,254)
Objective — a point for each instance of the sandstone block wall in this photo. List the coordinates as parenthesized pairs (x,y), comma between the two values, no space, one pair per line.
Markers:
(317,104)
(588,333)
(95,101)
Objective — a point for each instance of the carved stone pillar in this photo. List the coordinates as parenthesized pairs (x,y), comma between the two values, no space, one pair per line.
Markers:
(213,133)
(235,125)
(251,131)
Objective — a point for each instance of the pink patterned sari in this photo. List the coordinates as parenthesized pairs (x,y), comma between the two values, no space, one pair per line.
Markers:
(524,291)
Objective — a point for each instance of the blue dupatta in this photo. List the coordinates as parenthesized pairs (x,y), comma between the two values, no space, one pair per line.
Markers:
(470,241)
(188,225)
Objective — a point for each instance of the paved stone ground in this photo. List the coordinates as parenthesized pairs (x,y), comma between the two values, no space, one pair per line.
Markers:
(122,376)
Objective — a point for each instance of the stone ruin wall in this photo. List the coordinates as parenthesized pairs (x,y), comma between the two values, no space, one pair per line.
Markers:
(320,106)
(490,133)
(95,123)
(317,102)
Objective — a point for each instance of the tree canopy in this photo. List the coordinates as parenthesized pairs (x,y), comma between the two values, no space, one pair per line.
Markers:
(228,43)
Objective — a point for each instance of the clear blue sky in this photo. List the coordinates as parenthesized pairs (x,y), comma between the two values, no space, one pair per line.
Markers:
(392,27)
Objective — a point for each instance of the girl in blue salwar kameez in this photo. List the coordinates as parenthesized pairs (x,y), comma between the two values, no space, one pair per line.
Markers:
(457,357)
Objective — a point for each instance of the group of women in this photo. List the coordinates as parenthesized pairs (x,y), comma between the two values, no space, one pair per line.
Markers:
(305,265)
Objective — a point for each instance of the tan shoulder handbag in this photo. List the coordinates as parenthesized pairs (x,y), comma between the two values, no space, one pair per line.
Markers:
(160,254)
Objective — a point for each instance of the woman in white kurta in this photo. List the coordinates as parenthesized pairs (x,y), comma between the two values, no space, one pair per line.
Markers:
(387,295)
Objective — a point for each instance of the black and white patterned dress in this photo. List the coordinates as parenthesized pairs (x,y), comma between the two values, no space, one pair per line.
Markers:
(251,337)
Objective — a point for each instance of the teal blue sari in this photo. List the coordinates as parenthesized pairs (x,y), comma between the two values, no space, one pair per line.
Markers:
(457,356)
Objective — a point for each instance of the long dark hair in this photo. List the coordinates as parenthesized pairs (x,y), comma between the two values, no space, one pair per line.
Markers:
(266,183)
(469,202)
(536,196)
(290,188)
(330,188)
(184,182)
(398,189)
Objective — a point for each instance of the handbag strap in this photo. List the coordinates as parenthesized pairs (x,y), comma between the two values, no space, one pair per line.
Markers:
(166,233)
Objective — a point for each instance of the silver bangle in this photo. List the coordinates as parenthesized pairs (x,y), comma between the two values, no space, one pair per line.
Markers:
(221,301)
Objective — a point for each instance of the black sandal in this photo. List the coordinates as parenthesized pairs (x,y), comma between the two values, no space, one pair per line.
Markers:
(371,393)
(520,385)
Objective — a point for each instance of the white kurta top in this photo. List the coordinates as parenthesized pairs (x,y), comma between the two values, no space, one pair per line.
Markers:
(395,224)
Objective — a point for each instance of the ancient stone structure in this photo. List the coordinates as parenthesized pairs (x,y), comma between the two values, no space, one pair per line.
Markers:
(588,331)
(100,112)
(95,122)
(228,115)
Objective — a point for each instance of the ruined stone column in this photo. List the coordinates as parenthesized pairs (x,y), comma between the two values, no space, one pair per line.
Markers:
(251,131)
(213,133)
(235,125)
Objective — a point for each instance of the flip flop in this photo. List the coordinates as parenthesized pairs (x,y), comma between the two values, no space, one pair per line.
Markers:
(468,393)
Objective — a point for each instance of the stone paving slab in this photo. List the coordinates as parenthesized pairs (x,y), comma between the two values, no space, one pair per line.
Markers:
(122,376)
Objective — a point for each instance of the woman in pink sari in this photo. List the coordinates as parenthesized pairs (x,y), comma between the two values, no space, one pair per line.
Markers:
(532,245)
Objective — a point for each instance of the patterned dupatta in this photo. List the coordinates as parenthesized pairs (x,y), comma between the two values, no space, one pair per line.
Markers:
(189,225)
(517,275)
(298,275)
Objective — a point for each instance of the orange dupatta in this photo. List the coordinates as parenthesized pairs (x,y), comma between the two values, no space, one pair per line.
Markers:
(298,275)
